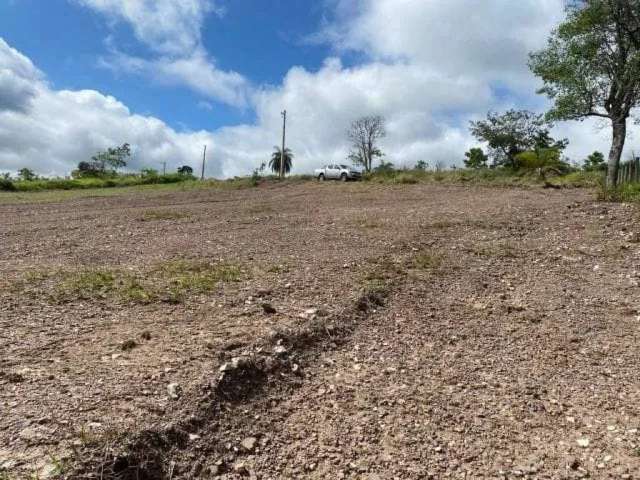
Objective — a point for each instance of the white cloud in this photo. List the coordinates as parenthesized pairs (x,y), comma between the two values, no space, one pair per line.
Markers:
(168,27)
(197,72)
(17,74)
(173,32)
(429,68)
(61,128)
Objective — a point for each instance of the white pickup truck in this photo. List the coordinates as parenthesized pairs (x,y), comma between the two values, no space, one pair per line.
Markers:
(337,172)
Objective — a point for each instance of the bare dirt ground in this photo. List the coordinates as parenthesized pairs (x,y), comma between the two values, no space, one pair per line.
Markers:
(418,332)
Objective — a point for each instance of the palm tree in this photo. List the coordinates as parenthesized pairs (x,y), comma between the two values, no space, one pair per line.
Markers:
(274,163)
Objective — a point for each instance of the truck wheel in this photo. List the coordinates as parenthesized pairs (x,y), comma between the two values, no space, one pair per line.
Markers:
(321,177)
(343,177)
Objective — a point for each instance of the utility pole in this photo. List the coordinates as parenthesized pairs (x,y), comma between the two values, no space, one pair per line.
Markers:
(204,159)
(284,129)
(164,168)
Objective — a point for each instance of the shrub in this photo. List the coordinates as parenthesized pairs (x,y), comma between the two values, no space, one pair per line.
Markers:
(7,184)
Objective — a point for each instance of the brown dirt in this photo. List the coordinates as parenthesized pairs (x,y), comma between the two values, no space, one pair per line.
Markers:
(506,346)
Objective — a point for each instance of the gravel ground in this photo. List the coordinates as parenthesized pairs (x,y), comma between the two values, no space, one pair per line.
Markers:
(506,348)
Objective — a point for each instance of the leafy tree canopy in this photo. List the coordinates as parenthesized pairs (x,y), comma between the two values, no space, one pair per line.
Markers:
(105,162)
(384,167)
(591,67)
(514,132)
(185,170)
(475,158)
(26,174)
(422,165)
(594,162)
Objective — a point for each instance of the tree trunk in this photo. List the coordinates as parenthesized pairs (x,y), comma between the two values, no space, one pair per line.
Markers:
(617,145)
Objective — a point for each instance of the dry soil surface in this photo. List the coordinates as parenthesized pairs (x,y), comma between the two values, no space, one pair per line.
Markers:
(503,344)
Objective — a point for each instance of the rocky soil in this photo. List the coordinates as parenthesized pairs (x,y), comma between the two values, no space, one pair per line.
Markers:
(374,333)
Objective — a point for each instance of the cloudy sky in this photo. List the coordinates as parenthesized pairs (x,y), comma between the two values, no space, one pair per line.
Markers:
(169,76)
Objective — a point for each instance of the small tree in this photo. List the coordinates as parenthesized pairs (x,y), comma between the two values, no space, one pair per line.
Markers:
(26,174)
(514,132)
(422,165)
(104,162)
(544,161)
(364,135)
(274,163)
(257,174)
(111,158)
(476,158)
(384,167)
(87,169)
(185,170)
(6,183)
(591,68)
(594,162)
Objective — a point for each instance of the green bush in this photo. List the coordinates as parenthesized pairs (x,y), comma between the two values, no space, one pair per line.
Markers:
(128,180)
(7,184)
(502,176)
(628,192)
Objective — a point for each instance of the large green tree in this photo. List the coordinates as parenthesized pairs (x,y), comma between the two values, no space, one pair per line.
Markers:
(591,68)
(513,132)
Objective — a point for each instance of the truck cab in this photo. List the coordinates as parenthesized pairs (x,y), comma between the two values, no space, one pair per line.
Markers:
(337,172)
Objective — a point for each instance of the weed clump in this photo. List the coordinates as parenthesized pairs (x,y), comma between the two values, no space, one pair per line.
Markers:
(428,261)
(172,282)
(160,215)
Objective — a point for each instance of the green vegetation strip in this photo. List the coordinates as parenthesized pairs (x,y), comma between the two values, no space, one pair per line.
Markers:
(171,282)
(499,177)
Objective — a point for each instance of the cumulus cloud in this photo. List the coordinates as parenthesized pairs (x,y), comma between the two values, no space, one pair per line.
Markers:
(17,75)
(173,32)
(62,127)
(429,67)
(196,71)
(322,104)
(166,26)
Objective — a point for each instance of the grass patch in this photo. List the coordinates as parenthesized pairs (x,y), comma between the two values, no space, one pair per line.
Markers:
(367,223)
(260,209)
(628,192)
(279,269)
(496,249)
(428,261)
(476,224)
(161,215)
(171,282)
(185,277)
(87,285)
(381,274)
(89,187)
(125,180)
(498,177)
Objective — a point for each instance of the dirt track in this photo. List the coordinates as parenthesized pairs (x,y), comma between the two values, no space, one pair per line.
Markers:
(507,346)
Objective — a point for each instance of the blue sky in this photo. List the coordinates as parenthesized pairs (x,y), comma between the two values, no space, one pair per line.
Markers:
(261,39)
(167,76)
